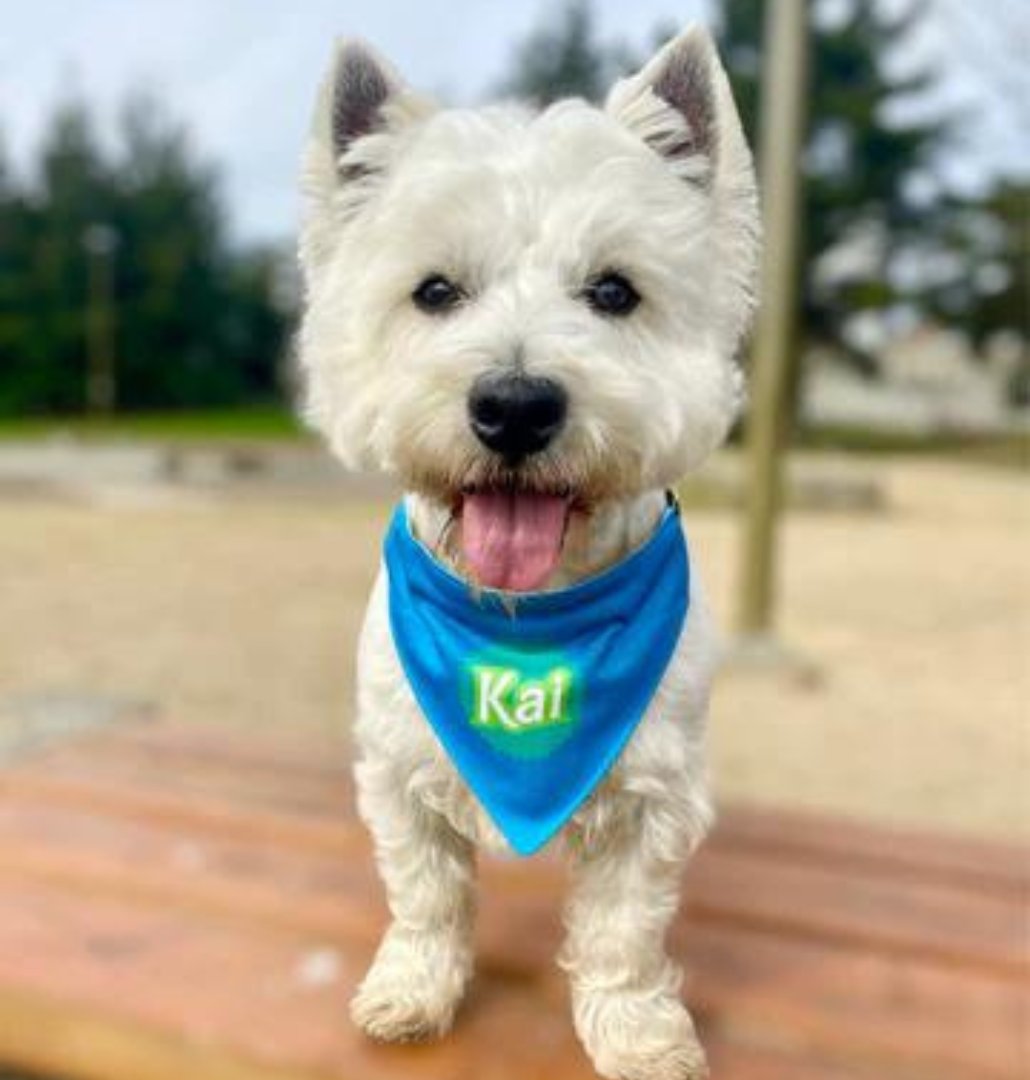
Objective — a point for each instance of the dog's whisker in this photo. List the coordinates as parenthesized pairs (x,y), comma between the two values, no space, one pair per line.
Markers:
(445,531)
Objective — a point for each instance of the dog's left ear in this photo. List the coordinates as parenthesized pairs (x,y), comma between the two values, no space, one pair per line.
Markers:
(680,104)
(363,111)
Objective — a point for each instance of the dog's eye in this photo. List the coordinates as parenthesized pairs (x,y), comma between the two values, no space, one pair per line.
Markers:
(611,294)
(436,294)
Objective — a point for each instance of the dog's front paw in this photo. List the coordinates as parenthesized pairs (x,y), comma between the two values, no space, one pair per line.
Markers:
(413,988)
(631,1035)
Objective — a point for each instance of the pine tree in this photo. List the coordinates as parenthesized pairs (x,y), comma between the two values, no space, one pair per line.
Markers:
(17,228)
(859,162)
(195,321)
(173,269)
(46,366)
(563,57)
(978,266)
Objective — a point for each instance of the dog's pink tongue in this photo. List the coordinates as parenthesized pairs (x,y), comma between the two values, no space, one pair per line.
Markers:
(512,540)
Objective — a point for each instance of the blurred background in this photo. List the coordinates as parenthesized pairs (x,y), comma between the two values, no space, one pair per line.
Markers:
(171,539)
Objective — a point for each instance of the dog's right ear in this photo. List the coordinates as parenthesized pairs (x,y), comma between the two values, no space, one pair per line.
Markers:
(359,92)
(363,110)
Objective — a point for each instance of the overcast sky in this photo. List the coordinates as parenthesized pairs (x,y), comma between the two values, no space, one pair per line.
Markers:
(242,73)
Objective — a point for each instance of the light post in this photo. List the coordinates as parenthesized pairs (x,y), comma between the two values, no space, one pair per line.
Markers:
(100,242)
(781,147)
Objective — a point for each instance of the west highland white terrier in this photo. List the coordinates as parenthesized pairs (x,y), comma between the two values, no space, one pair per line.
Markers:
(532,320)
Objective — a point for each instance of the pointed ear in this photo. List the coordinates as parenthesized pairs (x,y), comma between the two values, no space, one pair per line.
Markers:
(681,105)
(360,86)
(674,105)
(363,109)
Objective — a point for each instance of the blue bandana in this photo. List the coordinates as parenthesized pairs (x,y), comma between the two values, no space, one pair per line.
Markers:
(535,695)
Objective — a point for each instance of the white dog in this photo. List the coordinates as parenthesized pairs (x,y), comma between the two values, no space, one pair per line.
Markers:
(532,320)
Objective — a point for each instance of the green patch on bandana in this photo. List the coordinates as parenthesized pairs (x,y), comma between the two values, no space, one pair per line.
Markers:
(524,703)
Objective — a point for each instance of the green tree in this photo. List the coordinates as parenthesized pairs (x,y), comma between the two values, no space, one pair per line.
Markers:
(1001,289)
(195,321)
(43,362)
(16,237)
(860,159)
(175,272)
(564,57)
(987,286)
(979,266)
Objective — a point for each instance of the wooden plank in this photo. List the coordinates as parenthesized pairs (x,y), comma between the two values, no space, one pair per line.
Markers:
(283,827)
(143,963)
(851,1004)
(751,884)
(66,1039)
(861,1007)
(809,900)
(245,786)
(155,967)
(817,949)
(928,919)
(171,868)
(228,872)
(315,776)
(895,852)
(729,1059)
(834,996)
(316,762)
(272,1000)
(303,754)
(95,1046)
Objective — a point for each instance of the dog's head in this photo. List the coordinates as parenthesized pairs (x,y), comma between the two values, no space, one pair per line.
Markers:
(519,313)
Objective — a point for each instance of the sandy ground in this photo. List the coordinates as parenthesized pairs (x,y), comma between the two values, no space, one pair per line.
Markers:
(916,622)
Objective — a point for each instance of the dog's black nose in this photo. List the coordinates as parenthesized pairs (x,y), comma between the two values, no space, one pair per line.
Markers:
(516,415)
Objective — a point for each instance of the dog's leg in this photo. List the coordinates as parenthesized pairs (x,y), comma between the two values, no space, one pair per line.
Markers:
(625,988)
(424,961)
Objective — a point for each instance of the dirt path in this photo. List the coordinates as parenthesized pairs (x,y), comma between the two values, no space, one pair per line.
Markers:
(245,612)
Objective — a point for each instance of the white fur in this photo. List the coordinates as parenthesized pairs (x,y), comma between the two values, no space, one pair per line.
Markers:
(522,210)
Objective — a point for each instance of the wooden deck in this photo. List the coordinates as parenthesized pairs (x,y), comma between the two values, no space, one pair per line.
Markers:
(180,904)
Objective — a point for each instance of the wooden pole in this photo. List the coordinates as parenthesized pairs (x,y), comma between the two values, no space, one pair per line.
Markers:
(781,144)
(100,242)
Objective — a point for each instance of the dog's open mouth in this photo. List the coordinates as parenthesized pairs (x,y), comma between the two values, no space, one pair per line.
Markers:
(511,538)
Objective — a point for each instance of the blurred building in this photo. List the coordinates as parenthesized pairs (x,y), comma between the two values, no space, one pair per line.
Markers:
(931,382)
